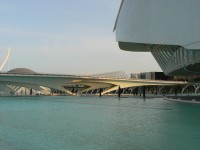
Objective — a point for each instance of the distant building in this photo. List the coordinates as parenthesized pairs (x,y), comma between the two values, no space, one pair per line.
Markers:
(151,76)
(135,75)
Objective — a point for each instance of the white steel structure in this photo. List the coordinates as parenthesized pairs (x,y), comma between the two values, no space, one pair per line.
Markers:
(5,60)
(22,77)
(169,29)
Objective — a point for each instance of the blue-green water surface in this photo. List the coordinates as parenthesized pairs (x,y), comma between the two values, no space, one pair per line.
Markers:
(93,123)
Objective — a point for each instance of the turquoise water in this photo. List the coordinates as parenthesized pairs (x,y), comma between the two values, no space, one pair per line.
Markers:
(93,123)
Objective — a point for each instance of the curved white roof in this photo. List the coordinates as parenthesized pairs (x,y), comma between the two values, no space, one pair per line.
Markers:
(116,74)
(167,22)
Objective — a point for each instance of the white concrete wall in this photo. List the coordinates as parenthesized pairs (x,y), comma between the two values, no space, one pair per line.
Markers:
(170,22)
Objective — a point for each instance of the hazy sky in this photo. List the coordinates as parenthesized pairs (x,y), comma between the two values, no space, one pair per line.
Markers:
(66,36)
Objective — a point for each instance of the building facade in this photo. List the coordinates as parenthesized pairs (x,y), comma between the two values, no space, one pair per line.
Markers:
(151,76)
(168,29)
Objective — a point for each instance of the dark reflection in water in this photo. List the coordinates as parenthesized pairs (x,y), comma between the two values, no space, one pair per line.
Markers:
(93,123)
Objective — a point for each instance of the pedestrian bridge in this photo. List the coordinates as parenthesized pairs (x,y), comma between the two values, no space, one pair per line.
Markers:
(107,81)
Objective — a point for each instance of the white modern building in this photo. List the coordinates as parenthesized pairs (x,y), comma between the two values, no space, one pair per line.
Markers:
(169,29)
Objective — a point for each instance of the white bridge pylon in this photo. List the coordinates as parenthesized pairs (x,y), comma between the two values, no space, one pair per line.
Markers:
(5,60)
